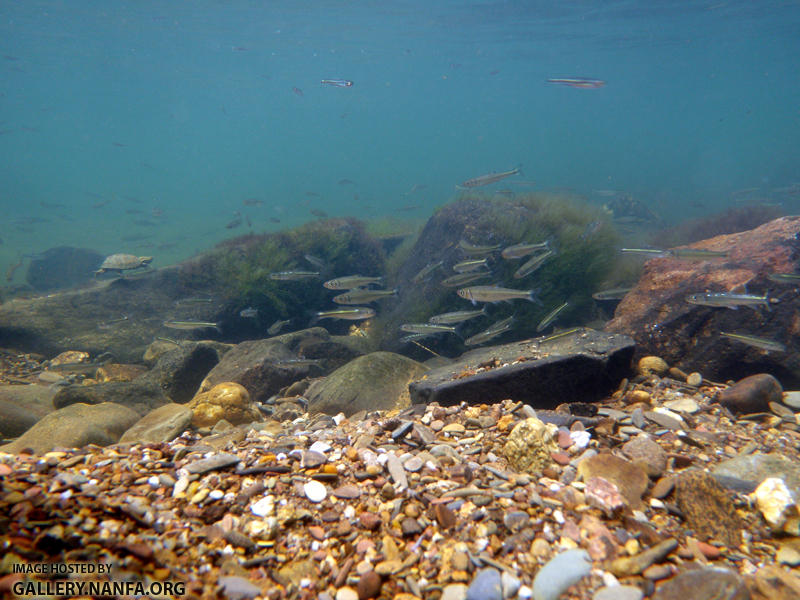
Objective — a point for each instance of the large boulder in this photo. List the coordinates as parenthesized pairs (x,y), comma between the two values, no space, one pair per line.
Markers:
(655,313)
(583,366)
(21,406)
(62,267)
(180,371)
(266,366)
(375,381)
(76,426)
(160,425)
(142,397)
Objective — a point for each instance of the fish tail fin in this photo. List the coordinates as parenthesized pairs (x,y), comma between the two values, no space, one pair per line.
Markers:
(218,326)
(518,169)
(532,296)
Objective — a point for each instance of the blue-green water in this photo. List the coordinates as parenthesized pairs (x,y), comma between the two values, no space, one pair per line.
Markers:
(144,126)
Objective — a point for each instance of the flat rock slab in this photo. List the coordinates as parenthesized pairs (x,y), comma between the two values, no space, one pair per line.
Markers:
(544,372)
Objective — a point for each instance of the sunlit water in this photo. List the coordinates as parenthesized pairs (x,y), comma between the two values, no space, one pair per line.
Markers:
(145,127)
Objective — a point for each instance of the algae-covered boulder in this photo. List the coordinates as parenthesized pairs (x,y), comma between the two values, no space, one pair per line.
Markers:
(180,371)
(227,400)
(375,381)
(582,239)
(76,426)
(23,405)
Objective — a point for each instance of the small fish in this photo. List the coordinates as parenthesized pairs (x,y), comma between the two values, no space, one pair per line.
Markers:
(490,332)
(248,313)
(350,282)
(292,275)
(299,362)
(784,278)
(591,229)
(456,317)
(346,182)
(191,325)
(550,317)
(277,326)
(469,266)
(468,248)
(490,293)
(314,261)
(319,213)
(234,224)
(489,178)
(523,249)
(414,337)
(464,278)
(253,202)
(297,91)
(757,342)
(611,294)
(425,271)
(559,335)
(362,296)
(533,264)
(274,220)
(110,323)
(337,82)
(426,328)
(696,253)
(584,83)
(651,252)
(190,301)
(356,313)
(727,300)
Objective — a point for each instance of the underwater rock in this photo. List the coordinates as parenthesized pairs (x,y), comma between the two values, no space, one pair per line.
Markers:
(655,313)
(76,426)
(21,406)
(652,365)
(752,394)
(117,372)
(530,445)
(264,367)
(707,508)
(584,365)
(376,381)
(758,466)
(142,397)
(163,424)
(630,478)
(62,267)
(180,371)
(709,582)
(227,400)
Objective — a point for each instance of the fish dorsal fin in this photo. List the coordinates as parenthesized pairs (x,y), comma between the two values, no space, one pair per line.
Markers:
(739,289)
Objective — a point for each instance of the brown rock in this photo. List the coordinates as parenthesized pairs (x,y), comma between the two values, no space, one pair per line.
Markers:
(644,450)
(708,509)
(227,400)
(720,584)
(631,479)
(369,586)
(751,394)
(772,583)
(119,372)
(652,365)
(369,520)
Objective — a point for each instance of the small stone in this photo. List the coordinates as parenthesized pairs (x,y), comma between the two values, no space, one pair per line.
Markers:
(445,516)
(776,503)
(638,397)
(694,379)
(604,495)
(311,459)
(633,565)
(720,584)
(487,585)
(410,527)
(664,419)
(510,585)
(413,464)
(346,593)
(684,405)
(644,450)
(396,470)
(708,508)
(652,365)
(630,478)
(238,588)
(212,463)
(560,572)
(663,487)
(454,591)
(788,554)
(347,492)
(751,394)
(315,491)
(369,520)
(792,399)
(369,586)
(657,572)
(619,592)
(226,400)
(516,520)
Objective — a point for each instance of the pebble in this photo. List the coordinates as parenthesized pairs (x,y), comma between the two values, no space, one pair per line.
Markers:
(238,588)
(487,585)
(369,586)
(347,492)
(707,507)
(619,592)
(413,464)
(751,394)
(694,379)
(560,572)
(792,399)
(652,365)
(717,583)
(510,585)
(788,555)
(454,591)
(396,470)
(212,463)
(315,491)
(346,593)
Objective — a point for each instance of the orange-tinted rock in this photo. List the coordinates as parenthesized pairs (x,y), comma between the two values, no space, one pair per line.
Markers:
(752,394)
(227,400)
(631,479)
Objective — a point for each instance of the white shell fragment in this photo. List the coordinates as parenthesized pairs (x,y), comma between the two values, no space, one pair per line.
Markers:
(315,491)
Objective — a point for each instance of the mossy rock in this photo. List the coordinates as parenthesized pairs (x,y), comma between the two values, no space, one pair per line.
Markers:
(376,381)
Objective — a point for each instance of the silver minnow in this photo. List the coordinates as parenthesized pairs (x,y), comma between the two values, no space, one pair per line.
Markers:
(490,293)
(727,300)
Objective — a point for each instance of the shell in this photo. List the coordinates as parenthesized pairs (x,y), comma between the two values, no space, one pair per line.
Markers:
(125,261)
